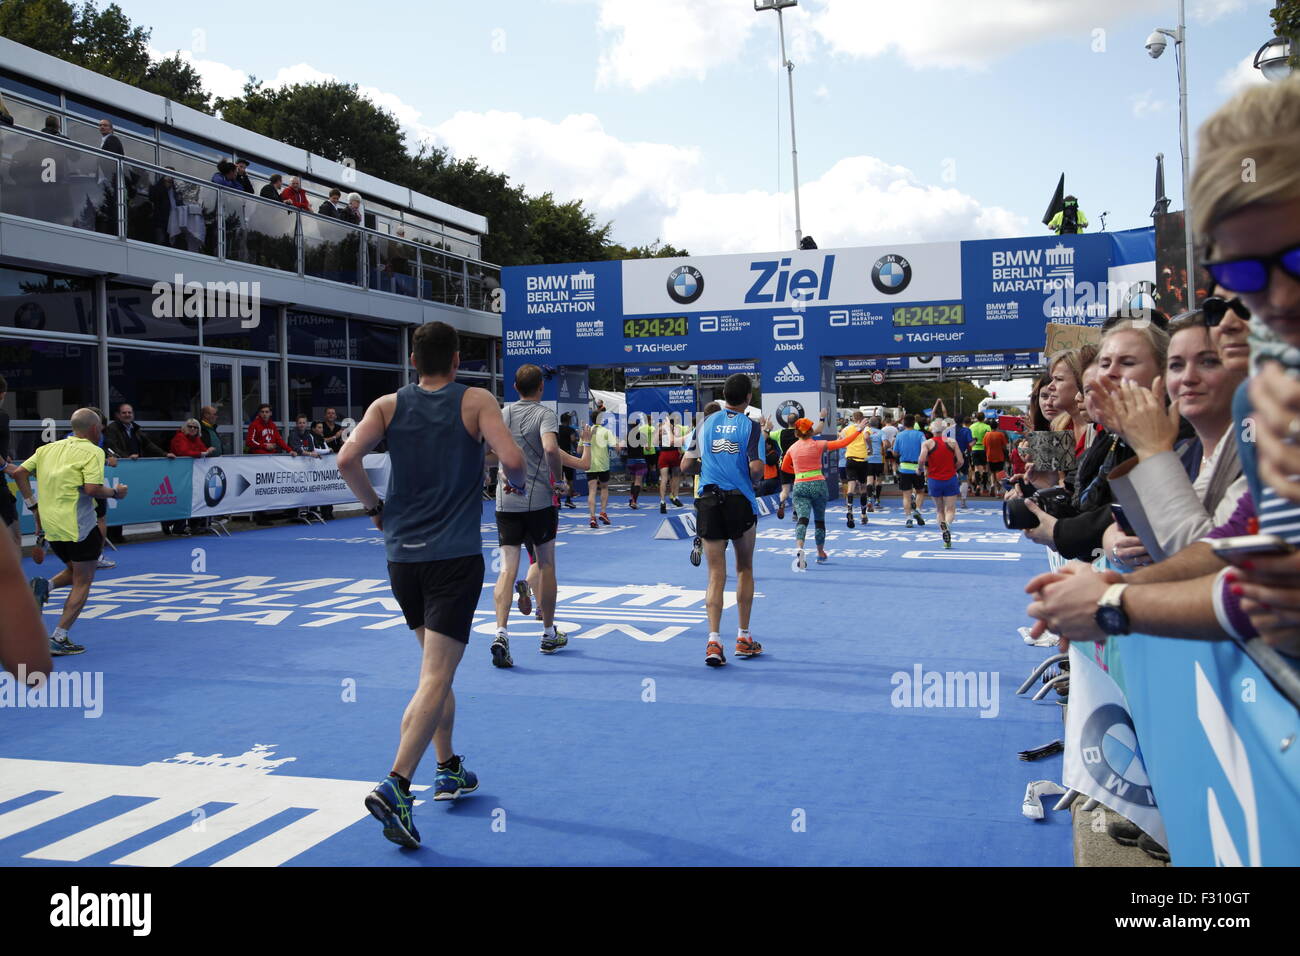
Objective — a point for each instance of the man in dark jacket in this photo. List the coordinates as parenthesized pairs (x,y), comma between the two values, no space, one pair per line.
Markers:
(109,143)
(331,207)
(241,176)
(272,189)
(208,430)
(125,439)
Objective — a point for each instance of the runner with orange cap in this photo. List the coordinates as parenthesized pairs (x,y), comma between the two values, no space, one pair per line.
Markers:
(804,459)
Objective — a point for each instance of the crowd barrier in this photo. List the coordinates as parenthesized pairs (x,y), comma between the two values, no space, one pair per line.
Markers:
(165,489)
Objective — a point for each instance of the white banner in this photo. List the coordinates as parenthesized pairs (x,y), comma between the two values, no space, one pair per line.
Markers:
(1102,756)
(238,483)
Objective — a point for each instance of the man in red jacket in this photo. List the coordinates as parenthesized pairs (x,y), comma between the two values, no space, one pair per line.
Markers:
(264,436)
(295,195)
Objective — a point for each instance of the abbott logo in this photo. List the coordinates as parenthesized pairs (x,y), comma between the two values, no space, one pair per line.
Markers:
(788,375)
(839,318)
(787,328)
(708,323)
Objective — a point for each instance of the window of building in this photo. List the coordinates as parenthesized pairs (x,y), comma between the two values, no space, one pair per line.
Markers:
(32,89)
(160,386)
(369,384)
(47,379)
(87,134)
(372,342)
(31,116)
(317,335)
(314,387)
(475,353)
(228,332)
(136,313)
(121,122)
(45,302)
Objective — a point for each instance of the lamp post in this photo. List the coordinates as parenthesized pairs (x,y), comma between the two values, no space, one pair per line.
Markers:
(1155,46)
(778,6)
(1273,59)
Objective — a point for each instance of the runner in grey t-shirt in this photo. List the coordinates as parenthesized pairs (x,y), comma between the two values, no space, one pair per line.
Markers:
(531,519)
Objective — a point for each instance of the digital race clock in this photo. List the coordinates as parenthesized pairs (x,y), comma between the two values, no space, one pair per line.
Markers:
(912,315)
(660,328)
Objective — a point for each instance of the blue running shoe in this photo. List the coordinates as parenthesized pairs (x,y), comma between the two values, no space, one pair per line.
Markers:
(41,589)
(392,808)
(451,784)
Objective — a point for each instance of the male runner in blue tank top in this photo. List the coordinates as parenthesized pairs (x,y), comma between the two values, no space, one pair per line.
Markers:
(430,518)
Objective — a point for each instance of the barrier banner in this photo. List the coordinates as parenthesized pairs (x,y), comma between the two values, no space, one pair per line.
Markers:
(238,483)
(1219,742)
(159,489)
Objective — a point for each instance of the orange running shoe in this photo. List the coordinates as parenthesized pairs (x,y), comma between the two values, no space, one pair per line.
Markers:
(748,647)
(713,655)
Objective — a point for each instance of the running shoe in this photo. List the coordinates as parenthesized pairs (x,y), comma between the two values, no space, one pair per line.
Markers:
(603,517)
(105,564)
(392,808)
(663,508)
(41,589)
(713,655)
(552,644)
(909,521)
(451,784)
(697,547)
(780,510)
(851,524)
(593,522)
(748,647)
(920,522)
(63,647)
(525,597)
(568,503)
(501,653)
(677,502)
(823,558)
(947,535)
(870,506)
(632,504)
(800,562)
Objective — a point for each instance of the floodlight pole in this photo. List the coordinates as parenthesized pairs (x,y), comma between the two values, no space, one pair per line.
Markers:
(777,5)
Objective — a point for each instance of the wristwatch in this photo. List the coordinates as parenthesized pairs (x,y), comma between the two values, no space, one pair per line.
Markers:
(1110,616)
(377,509)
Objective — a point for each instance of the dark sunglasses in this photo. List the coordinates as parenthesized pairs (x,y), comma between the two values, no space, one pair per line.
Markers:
(1252,274)
(1216,307)
(1155,316)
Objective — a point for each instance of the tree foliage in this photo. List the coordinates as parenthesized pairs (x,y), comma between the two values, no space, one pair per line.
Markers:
(1286,23)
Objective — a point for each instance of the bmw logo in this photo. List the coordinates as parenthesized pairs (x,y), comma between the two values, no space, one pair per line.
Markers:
(1111,754)
(214,486)
(891,274)
(1141,295)
(789,412)
(685,284)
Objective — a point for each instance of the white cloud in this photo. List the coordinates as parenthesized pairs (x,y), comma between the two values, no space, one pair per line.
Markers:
(1207,11)
(1144,104)
(822,93)
(962,33)
(668,39)
(1241,76)
(218,78)
(861,200)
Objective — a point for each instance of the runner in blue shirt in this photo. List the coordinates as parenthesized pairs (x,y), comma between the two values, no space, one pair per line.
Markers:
(911,483)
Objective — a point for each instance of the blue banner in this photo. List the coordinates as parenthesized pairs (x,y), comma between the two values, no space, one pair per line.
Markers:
(159,489)
(1214,734)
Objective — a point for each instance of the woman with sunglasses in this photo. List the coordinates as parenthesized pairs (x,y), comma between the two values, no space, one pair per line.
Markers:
(187,443)
(1173,497)
(1252,229)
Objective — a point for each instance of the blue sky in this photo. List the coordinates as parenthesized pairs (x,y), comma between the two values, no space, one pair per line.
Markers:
(917,121)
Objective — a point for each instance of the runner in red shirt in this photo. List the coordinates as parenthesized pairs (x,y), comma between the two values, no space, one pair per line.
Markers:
(940,457)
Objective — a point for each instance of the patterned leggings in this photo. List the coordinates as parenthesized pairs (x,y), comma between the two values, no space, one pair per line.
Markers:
(810,496)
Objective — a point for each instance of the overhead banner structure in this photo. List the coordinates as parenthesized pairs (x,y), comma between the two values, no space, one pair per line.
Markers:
(239,483)
(794,312)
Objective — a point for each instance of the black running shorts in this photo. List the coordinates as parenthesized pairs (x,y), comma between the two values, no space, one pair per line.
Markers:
(857,468)
(88,548)
(875,469)
(439,595)
(569,473)
(724,520)
(600,477)
(910,481)
(977,458)
(534,527)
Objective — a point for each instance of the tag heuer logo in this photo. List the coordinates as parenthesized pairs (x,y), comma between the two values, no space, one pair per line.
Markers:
(788,374)
(898,336)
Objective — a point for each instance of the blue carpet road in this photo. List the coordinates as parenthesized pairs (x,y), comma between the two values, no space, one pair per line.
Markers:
(250,690)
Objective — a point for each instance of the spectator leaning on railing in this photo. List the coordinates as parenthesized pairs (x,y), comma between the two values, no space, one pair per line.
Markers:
(241,175)
(208,430)
(263,437)
(295,195)
(125,439)
(273,189)
(225,175)
(186,443)
(301,439)
(1252,230)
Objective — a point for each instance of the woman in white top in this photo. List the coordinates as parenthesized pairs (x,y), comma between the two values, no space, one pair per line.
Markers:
(1168,509)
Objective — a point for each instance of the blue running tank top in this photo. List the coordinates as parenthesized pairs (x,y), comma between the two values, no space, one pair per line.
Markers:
(434,504)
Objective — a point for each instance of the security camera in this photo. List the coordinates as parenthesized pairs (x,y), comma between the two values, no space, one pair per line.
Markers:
(1156,44)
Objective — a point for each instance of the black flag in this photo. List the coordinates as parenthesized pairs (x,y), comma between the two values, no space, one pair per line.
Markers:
(1058,201)
(1162,201)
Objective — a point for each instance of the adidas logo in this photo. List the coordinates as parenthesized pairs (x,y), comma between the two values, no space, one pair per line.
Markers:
(164,494)
(788,374)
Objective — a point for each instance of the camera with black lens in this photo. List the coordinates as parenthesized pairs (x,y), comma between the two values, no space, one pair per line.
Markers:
(1053,501)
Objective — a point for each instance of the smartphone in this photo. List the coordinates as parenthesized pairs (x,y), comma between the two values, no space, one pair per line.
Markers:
(1117,512)
(1242,547)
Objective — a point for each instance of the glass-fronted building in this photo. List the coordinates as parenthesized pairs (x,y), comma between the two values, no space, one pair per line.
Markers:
(131,277)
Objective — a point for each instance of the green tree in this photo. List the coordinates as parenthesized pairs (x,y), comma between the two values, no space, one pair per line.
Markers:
(330,119)
(1286,23)
(177,80)
(469,185)
(564,232)
(653,251)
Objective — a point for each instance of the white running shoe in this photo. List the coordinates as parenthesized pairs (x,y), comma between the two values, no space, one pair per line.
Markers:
(104,563)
